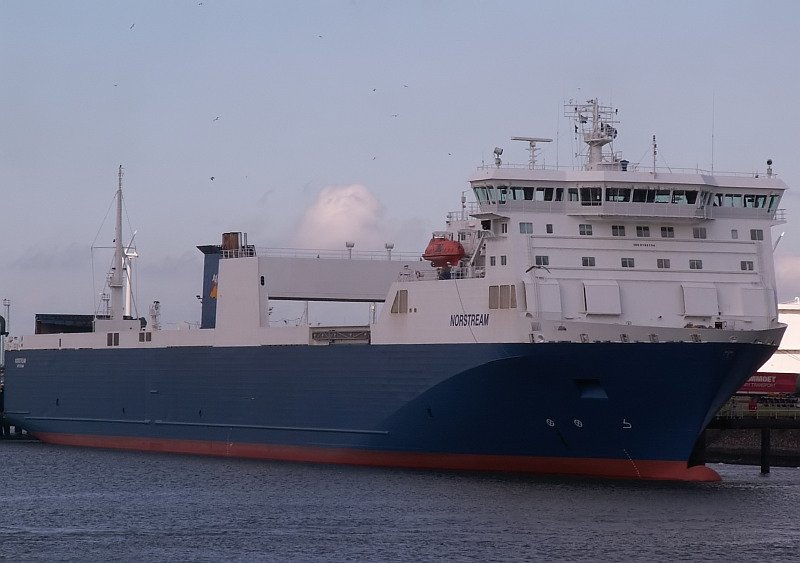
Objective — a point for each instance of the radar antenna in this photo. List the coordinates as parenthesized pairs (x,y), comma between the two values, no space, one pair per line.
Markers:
(532,147)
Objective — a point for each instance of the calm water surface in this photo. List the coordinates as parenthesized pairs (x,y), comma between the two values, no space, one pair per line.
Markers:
(59,503)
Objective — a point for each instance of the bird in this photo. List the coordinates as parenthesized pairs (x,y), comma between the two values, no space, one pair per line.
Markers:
(212,178)
(115,84)
(215,119)
(131,27)
(374,89)
(395,114)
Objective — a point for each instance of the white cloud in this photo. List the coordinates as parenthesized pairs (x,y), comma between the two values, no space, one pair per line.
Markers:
(340,214)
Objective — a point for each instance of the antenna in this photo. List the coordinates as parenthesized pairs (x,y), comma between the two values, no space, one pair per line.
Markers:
(777,241)
(532,147)
(655,152)
(713,115)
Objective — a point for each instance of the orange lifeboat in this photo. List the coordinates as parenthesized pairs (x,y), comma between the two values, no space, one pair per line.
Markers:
(442,251)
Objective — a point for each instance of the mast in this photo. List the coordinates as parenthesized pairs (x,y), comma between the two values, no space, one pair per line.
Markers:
(595,125)
(115,282)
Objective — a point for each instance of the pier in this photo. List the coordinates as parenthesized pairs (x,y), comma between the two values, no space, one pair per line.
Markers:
(762,434)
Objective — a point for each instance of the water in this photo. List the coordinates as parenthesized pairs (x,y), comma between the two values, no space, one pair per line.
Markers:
(60,503)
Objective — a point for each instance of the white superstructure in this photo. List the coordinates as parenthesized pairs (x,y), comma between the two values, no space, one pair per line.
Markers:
(613,252)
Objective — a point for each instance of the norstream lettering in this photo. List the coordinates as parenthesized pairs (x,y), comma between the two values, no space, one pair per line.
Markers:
(470,320)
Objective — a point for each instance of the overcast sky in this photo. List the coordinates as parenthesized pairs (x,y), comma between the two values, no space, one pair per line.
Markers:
(298,109)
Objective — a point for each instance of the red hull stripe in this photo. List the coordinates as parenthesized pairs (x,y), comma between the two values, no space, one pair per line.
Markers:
(612,468)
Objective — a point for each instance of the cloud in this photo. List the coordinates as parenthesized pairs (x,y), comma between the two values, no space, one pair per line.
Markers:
(340,214)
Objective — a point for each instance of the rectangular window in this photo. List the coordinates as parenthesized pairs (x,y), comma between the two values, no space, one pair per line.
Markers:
(642,231)
(549,228)
(591,196)
(734,234)
(542,260)
(627,262)
(756,234)
(503,260)
(695,264)
(503,228)
(699,232)
(494,297)
(584,229)
(667,232)
(618,230)
(526,228)
(492,260)
(588,261)
(747,265)
(662,263)
(504,298)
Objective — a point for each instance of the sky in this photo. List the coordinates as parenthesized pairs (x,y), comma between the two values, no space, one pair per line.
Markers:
(306,124)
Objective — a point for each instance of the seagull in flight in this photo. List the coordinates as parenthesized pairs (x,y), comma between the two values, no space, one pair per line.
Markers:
(212,178)
(215,119)
(131,27)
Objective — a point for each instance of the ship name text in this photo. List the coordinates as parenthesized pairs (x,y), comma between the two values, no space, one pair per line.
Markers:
(470,320)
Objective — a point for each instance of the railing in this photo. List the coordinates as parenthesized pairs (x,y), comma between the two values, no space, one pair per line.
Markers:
(460,273)
(761,411)
(632,167)
(340,254)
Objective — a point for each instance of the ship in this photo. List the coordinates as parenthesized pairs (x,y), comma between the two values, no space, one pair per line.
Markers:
(586,320)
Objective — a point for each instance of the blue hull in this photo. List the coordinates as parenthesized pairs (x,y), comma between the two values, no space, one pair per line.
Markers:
(497,405)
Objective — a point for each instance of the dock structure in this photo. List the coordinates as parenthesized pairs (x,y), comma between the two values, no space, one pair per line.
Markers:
(764,419)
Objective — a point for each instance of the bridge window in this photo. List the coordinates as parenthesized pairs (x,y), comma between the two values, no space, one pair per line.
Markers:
(618,230)
(747,265)
(756,234)
(773,201)
(699,232)
(667,232)
(618,194)
(591,196)
(627,263)
(112,339)
(587,261)
(684,197)
(481,194)
(585,229)
(662,263)
(642,231)
(733,200)
(695,264)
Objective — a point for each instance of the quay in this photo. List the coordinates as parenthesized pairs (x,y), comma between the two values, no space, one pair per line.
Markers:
(761,434)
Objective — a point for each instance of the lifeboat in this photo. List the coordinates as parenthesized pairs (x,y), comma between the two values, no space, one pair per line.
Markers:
(443,251)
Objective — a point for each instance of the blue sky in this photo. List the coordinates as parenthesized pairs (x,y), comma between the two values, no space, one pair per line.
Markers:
(403,99)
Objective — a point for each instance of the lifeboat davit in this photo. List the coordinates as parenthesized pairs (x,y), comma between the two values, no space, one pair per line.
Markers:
(442,252)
